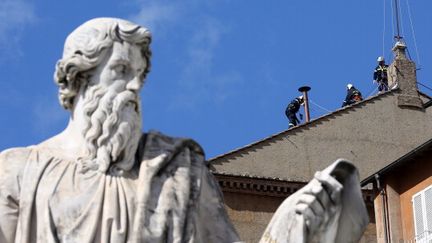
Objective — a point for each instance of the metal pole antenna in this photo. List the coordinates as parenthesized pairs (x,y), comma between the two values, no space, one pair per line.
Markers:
(304,90)
(398,37)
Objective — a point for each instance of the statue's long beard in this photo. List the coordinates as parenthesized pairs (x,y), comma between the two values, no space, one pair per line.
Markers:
(113,129)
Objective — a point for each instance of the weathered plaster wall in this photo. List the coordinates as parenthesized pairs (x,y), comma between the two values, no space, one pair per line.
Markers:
(371,135)
(417,176)
(250,214)
(401,184)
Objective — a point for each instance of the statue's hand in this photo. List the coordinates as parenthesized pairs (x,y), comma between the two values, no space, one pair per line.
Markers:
(325,210)
(319,202)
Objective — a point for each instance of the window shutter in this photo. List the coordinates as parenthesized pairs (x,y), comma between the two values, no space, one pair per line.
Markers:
(428,208)
(422,206)
(418,215)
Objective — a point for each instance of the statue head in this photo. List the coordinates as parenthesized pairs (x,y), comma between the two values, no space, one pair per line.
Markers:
(86,47)
(103,67)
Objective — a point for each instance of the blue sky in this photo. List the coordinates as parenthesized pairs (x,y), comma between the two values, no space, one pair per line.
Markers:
(223,71)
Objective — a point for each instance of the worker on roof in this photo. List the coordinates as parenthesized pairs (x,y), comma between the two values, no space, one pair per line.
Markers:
(353,95)
(291,110)
(380,75)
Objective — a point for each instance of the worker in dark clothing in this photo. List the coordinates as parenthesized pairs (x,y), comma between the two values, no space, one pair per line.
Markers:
(380,75)
(291,110)
(353,96)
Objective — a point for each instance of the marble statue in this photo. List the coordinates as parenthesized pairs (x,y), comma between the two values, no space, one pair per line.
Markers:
(330,208)
(103,180)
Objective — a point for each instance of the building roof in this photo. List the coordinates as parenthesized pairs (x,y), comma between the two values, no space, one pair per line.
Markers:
(369,133)
(303,126)
(422,150)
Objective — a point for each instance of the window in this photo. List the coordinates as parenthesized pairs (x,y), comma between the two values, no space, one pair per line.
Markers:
(422,205)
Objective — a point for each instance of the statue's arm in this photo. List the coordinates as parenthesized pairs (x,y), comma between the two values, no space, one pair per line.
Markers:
(12,164)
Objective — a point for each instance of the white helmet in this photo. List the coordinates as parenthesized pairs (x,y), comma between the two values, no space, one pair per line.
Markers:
(349,86)
(380,59)
(301,99)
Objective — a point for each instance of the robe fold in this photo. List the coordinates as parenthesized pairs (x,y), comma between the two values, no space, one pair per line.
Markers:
(169,196)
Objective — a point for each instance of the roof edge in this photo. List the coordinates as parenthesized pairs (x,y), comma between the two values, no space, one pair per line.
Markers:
(303,126)
(217,173)
(400,161)
(424,94)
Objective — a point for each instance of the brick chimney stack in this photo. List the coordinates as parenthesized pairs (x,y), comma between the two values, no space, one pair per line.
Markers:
(402,74)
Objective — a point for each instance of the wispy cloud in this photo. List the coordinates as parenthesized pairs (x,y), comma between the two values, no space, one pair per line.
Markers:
(200,82)
(201,46)
(164,16)
(14,16)
(157,14)
(202,34)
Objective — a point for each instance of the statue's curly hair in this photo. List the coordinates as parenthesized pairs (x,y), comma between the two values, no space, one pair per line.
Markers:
(86,47)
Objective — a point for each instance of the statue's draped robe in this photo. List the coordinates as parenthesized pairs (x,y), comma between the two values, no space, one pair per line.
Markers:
(169,196)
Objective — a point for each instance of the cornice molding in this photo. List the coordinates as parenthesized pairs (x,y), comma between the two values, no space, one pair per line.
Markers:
(269,187)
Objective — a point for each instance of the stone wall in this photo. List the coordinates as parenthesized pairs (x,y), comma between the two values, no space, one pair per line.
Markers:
(250,214)
(417,176)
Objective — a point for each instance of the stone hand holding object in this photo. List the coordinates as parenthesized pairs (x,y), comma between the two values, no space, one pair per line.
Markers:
(329,208)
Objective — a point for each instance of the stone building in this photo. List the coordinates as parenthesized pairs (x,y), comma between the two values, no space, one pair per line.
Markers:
(403,197)
(382,136)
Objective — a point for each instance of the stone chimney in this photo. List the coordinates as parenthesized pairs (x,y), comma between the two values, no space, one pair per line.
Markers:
(402,74)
